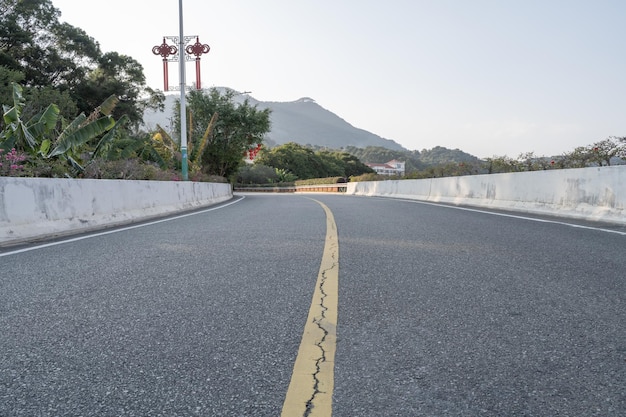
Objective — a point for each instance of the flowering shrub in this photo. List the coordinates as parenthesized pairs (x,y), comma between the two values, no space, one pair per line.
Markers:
(10,165)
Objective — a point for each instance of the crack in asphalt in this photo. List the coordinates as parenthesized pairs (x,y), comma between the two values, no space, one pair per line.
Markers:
(311,387)
(319,322)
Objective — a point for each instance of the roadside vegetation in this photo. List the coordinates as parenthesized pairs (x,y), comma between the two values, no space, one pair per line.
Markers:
(287,163)
(291,162)
(71,110)
(442,162)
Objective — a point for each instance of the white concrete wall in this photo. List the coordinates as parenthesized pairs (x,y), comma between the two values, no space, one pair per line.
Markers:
(587,193)
(42,207)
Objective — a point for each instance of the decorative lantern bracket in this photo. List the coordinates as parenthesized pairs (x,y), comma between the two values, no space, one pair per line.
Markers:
(170,53)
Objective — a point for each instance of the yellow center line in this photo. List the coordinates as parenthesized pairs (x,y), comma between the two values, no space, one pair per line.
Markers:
(310,391)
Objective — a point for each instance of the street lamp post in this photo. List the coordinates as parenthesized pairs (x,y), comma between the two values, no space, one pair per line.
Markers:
(164,50)
(183,109)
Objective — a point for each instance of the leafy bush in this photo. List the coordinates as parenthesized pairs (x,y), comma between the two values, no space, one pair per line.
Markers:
(256,174)
(304,163)
(368,177)
(126,169)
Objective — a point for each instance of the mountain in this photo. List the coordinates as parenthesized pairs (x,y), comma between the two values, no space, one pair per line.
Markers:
(302,121)
(306,122)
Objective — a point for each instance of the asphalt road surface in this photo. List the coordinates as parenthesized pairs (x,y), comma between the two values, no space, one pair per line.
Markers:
(442,311)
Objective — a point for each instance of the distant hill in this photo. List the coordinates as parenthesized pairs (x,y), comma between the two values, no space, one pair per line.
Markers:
(415,160)
(302,121)
(307,123)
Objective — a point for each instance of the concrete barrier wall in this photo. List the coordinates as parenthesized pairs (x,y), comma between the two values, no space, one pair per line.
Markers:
(43,207)
(587,193)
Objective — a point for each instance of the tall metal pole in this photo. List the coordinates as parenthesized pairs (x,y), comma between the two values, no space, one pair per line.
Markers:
(183,110)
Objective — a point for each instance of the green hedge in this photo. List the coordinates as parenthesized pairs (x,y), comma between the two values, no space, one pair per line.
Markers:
(318,181)
(370,177)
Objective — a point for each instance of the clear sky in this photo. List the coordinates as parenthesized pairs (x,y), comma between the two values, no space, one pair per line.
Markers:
(490,77)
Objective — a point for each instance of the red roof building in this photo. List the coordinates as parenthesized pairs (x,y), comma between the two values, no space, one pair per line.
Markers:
(391,168)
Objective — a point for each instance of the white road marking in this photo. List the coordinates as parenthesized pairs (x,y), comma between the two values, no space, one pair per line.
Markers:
(515,216)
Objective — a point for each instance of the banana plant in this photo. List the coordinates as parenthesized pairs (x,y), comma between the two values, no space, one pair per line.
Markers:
(26,135)
(196,154)
(167,148)
(84,129)
(40,137)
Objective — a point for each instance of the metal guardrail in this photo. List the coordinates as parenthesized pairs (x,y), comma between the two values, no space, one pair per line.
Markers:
(323,188)
(314,188)
(266,189)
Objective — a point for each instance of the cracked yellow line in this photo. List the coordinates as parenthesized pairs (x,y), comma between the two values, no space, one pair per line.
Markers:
(310,391)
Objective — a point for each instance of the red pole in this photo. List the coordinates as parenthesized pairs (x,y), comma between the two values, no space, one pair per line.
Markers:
(165,51)
(197,49)
(198,74)
(165,75)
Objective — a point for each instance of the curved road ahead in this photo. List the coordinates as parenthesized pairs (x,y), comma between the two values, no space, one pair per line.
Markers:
(442,311)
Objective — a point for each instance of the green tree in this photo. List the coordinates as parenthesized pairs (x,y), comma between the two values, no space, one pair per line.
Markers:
(330,165)
(123,77)
(256,174)
(580,157)
(414,160)
(378,154)
(528,161)
(38,99)
(295,158)
(501,164)
(603,152)
(220,130)
(305,163)
(62,64)
(349,165)
(47,52)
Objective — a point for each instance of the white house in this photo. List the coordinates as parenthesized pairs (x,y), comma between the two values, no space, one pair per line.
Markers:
(393,167)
